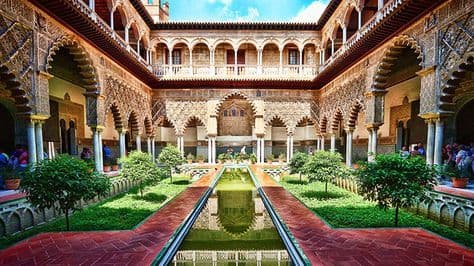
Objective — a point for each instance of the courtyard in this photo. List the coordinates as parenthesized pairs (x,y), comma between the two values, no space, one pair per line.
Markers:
(337,132)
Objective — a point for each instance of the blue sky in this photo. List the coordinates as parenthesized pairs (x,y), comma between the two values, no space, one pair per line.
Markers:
(246,10)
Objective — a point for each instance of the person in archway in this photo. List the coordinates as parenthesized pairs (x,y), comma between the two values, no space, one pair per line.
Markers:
(107,153)
(404,153)
(421,150)
(4,159)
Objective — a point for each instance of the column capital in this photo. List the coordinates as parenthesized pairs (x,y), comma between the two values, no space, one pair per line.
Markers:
(372,126)
(97,128)
(260,135)
(426,71)
(349,129)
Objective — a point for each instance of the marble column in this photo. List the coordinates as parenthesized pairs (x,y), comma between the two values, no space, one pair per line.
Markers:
(438,143)
(374,140)
(138,141)
(258,150)
(182,146)
(262,149)
(333,142)
(349,147)
(288,148)
(101,150)
(213,150)
(318,143)
(148,145)
(430,139)
(322,142)
(369,146)
(39,141)
(153,148)
(122,143)
(291,146)
(30,130)
(97,160)
(209,150)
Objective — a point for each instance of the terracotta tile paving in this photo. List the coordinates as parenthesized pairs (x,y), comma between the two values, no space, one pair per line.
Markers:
(326,246)
(129,247)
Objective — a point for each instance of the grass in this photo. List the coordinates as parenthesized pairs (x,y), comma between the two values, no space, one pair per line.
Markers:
(121,212)
(344,209)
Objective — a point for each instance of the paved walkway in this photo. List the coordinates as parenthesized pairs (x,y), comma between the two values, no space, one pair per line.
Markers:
(129,247)
(326,246)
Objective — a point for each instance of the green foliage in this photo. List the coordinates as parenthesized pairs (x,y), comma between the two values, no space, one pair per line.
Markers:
(344,209)
(393,181)
(458,171)
(63,180)
(253,158)
(200,157)
(139,166)
(297,162)
(270,157)
(121,212)
(324,166)
(224,156)
(282,157)
(171,157)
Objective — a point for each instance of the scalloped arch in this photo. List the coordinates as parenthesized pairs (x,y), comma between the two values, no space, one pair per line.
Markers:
(82,58)
(391,55)
(236,93)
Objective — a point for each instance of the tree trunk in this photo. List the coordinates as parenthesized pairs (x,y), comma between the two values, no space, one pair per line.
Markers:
(326,187)
(300,177)
(66,212)
(171,176)
(396,215)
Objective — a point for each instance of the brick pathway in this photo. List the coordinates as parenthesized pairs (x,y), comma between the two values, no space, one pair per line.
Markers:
(129,247)
(326,246)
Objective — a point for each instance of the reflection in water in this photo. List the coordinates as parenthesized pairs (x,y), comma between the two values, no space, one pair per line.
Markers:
(234,227)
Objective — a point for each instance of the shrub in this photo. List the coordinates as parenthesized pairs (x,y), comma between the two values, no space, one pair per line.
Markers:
(61,183)
(393,181)
(200,158)
(171,157)
(139,167)
(190,157)
(297,162)
(282,157)
(324,166)
(270,157)
(253,158)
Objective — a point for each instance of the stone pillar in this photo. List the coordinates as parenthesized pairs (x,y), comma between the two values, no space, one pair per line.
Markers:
(259,61)
(209,149)
(374,140)
(148,144)
(344,35)
(191,61)
(101,150)
(258,150)
(122,143)
(359,19)
(332,47)
(333,142)
(212,61)
(30,130)
(97,138)
(380,4)
(153,148)
(39,141)
(430,139)
(182,146)
(323,56)
(170,61)
(213,150)
(301,61)
(322,142)
(92,5)
(236,71)
(112,19)
(127,28)
(318,143)
(138,141)
(262,150)
(369,146)
(138,46)
(281,61)
(438,145)
(288,148)
(349,146)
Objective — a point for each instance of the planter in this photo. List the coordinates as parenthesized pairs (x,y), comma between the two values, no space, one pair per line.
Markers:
(228,161)
(281,161)
(12,184)
(107,168)
(190,161)
(115,167)
(460,182)
(201,161)
(270,161)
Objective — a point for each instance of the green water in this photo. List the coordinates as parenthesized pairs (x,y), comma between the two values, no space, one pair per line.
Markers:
(233,228)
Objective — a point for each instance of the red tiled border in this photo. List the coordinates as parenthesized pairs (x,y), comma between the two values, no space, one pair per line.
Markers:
(130,247)
(11,197)
(465,193)
(326,246)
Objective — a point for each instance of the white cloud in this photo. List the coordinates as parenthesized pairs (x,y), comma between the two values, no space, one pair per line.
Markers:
(233,15)
(310,13)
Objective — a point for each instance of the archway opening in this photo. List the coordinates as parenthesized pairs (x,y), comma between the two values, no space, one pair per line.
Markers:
(201,59)
(103,8)
(120,21)
(134,36)
(338,38)
(66,127)
(235,124)
(465,124)
(271,59)
(369,9)
(7,134)
(352,22)
(278,131)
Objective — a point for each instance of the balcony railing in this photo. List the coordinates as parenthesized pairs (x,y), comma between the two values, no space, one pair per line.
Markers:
(376,19)
(232,71)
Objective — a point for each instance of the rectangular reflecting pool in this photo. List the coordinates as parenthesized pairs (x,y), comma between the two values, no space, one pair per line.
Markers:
(234,228)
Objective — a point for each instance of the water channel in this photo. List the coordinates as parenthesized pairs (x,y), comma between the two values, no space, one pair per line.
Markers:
(234,228)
